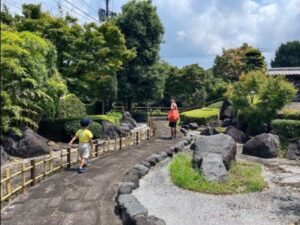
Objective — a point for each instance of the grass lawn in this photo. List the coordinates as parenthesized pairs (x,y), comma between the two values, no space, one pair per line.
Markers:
(203,113)
(243,177)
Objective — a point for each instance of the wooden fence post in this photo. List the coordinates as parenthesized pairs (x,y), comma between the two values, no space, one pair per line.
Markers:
(96,149)
(137,138)
(23,177)
(69,158)
(33,172)
(148,134)
(121,143)
(8,184)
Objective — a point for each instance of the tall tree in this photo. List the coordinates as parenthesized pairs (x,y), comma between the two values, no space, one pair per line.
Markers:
(233,62)
(143,31)
(287,55)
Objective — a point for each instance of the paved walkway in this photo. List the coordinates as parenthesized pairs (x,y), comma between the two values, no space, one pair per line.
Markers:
(72,198)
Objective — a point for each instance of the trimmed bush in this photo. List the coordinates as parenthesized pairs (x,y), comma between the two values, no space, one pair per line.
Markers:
(216,105)
(289,129)
(200,116)
(71,106)
(72,127)
(289,114)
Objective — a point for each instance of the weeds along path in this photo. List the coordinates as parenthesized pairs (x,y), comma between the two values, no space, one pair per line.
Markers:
(89,198)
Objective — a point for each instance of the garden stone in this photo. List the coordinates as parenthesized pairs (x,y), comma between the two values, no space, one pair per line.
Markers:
(209,131)
(127,118)
(163,155)
(109,130)
(179,147)
(130,208)
(158,157)
(183,130)
(237,135)
(148,220)
(143,170)
(126,188)
(293,152)
(215,123)
(193,126)
(133,176)
(213,167)
(29,145)
(145,163)
(4,156)
(227,122)
(263,145)
(152,160)
(169,152)
(226,110)
(221,144)
(185,126)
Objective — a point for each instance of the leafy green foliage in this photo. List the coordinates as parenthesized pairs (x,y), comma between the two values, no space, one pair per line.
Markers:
(287,55)
(71,106)
(289,114)
(257,97)
(243,177)
(200,116)
(233,62)
(72,127)
(289,129)
(140,80)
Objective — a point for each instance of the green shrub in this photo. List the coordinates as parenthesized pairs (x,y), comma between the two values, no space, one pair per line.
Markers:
(216,105)
(71,106)
(243,177)
(288,129)
(289,114)
(72,127)
(158,112)
(200,116)
(115,114)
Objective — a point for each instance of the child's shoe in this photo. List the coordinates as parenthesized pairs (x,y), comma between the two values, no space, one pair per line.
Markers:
(81,170)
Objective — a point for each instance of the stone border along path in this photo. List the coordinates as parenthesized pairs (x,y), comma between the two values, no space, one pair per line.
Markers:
(89,198)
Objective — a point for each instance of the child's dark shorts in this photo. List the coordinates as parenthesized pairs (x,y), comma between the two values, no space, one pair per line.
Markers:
(172,124)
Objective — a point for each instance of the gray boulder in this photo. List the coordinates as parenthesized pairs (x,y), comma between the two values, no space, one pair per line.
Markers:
(179,147)
(221,144)
(184,131)
(110,130)
(133,176)
(213,168)
(130,208)
(237,135)
(227,122)
(263,145)
(170,152)
(127,118)
(209,131)
(226,110)
(143,170)
(4,156)
(185,126)
(145,163)
(148,220)
(29,145)
(126,188)
(293,151)
(193,126)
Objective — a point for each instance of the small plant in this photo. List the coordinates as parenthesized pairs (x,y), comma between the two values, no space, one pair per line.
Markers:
(243,177)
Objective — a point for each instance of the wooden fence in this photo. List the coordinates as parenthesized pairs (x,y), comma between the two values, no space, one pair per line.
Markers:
(16,178)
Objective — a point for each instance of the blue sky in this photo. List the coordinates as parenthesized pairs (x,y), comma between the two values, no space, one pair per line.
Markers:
(197,30)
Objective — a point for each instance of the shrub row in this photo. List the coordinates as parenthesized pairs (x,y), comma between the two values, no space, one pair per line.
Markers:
(55,129)
(286,128)
(289,114)
(71,127)
(200,116)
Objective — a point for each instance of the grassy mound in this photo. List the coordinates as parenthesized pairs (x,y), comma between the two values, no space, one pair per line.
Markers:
(243,177)
(200,116)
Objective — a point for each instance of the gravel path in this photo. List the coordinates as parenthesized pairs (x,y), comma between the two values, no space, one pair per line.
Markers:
(278,205)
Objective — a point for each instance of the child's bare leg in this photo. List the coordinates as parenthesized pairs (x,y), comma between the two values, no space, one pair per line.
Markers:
(82,162)
(175,132)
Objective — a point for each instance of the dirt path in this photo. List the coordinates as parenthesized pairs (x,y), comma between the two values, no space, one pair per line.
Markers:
(72,198)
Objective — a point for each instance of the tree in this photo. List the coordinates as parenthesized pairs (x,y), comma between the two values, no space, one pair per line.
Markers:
(257,97)
(287,55)
(27,64)
(187,85)
(143,31)
(233,62)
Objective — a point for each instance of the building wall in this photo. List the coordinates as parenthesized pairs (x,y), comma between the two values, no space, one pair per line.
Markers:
(296,81)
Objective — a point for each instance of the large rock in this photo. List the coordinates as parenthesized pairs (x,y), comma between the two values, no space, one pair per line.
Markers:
(213,168)
(148,220)
(109,130)
(226,110)
(293,151)
(127,118)
(263,145)
(193,126)
(221,144)
(4,156)
(126,188)
(209,131)
(227,122)
(29,145)
(237,135)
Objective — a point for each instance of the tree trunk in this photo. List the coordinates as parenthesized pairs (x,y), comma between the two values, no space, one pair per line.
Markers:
(103,108)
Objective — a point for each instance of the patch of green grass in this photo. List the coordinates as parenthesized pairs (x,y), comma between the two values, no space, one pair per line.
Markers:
(216,105)
(203,113)
(243,177)
(221,129)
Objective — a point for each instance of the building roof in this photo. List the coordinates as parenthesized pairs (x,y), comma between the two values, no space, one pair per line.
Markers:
(284,71)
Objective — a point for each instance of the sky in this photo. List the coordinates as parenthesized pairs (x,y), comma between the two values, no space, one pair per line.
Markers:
(197,30)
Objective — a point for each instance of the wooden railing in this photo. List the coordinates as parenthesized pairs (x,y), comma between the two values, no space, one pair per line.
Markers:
(16,178)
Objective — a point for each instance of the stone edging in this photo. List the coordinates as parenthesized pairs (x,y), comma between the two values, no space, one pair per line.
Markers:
(131,211)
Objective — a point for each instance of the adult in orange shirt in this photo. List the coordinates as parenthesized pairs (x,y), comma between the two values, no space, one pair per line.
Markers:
(173,117)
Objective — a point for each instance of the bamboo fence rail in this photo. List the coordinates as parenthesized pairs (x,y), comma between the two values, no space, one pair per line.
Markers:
(15,179)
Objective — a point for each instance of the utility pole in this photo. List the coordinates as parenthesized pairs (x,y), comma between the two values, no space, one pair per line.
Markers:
(107,9)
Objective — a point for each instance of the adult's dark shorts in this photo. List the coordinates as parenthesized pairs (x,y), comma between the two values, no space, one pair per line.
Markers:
(172,124)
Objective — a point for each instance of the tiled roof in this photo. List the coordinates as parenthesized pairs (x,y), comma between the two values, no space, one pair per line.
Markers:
(284,71)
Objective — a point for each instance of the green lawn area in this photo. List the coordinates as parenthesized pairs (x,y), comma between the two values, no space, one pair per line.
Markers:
(200,116)
(243,177)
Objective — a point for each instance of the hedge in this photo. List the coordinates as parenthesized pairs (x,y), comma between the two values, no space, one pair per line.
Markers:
(71,127)
(200,116)
(54,129)
(286,128)
(289,114)
(71,106)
